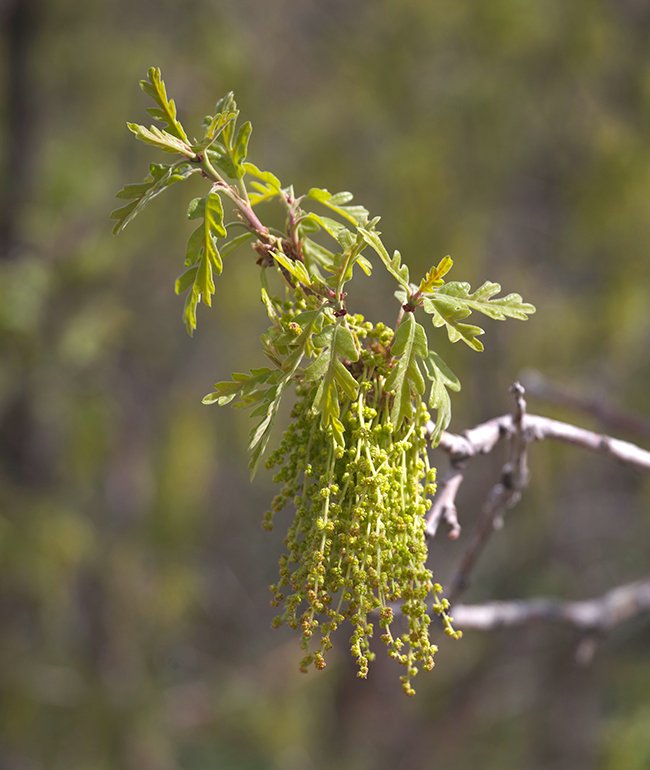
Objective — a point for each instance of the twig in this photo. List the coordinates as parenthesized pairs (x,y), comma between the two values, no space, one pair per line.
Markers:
(617,419)
(594,615)
(444,504)
(483,438)
(505,494)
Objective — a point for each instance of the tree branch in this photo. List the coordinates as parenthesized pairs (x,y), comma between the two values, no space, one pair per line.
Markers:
(484,437)
(609,416)
(505,494)
(520,429)
(599,614)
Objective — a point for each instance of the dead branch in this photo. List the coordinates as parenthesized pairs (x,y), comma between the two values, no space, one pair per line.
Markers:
(592,615)
(484,437)
(609,416)
(505,494)
(520,429)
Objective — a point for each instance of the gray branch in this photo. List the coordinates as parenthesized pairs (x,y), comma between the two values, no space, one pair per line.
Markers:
(483,438)
(592,615)
(521,429)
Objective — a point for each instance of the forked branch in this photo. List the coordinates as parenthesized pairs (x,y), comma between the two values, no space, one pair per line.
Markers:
(520,429)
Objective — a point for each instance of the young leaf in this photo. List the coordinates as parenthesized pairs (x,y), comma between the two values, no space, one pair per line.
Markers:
(159,179)
(154,86)
(442,379)
(240,149)
(484,301)
(295,268)
(261,389)
(393,265)
(454,301)
(409,344)
(446,312)
(161,139)
(434,277)
(264,176)
(213,128)
(337,343)
(356,215)
(331,226)
(268,187)
(202,254)
(235,243)
(243,386)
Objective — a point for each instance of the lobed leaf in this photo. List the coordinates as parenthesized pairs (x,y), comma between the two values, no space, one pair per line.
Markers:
(393,264)
(240,149)
(434,278)
(405,379)
(161,139)
(139,195)
(293,267)
(202,256)
(337,343)
(356,215)
(214,126)
(442,380)
(154,87)
(450,314)
(484,300)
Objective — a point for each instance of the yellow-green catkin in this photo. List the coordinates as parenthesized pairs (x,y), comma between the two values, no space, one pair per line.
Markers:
(356,548)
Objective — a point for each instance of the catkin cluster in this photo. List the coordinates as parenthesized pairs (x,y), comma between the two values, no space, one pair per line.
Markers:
(356,548)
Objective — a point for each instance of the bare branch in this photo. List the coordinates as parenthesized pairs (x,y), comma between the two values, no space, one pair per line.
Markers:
(609,416)
(505,494)
(444,504)
(483,438)
(599,614)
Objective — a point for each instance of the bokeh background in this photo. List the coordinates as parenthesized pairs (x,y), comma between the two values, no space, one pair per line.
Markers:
(134,619)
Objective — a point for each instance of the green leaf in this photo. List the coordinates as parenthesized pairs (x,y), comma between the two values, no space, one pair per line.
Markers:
(317,256)
(202,255)
(446,312)
(295,268)
(442,380)
(240,149)
(154,86)
(331,226)
(266,177)
(262,389)
(271,310)
(242,386)
(335,380)
(405,379)
(161,139)
(268,187)
(434,277)
(452,303)
(484,301)
(214,126)
(184,281)
(393,264)
(356,215)
(139,195)
(236,242)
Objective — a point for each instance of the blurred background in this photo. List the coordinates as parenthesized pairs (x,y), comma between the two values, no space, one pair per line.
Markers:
(134,619)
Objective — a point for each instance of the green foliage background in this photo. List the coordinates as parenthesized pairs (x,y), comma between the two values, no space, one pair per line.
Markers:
(134,617)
